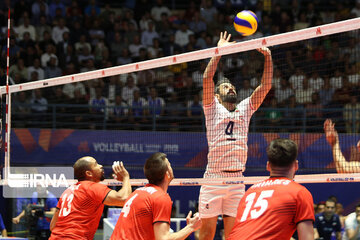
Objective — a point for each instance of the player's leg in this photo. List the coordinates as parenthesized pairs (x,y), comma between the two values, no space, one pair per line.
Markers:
(230,205)
(210,207)
(208,228)
(228,225)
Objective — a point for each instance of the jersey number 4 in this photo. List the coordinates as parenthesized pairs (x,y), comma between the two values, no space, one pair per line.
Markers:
(127,205)
(261,203)
(229,128)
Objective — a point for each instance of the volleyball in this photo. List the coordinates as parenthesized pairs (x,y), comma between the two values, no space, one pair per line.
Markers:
(246,22)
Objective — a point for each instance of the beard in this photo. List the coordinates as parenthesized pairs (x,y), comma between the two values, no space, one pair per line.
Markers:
(102,177)
(229,98)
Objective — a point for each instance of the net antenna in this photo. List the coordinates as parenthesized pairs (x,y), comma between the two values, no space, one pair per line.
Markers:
(304,34)
(7,108)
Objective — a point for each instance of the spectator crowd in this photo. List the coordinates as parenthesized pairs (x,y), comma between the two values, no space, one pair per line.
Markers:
(313,79)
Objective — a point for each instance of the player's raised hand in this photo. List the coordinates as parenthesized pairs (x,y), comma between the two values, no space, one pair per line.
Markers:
(193,222)
(120,171)
(330,132)
(224,39)
(265,51)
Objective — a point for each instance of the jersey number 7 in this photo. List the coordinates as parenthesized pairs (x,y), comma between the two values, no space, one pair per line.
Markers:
(260,202)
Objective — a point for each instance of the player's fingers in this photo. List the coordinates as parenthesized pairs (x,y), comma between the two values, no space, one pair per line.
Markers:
(120,167)
(115,163)
(221,35)
(188,217)
(228,37)
(123,168)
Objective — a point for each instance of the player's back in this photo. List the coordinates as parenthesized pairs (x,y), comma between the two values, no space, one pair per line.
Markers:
(144,207)
(271,209)
(80,208)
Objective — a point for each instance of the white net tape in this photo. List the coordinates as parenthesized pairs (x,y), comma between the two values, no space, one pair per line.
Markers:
(311,178)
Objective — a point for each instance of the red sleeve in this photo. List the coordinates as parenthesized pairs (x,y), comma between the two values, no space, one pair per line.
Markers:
(58,206)
(98,191)
(162,209)
(305,206)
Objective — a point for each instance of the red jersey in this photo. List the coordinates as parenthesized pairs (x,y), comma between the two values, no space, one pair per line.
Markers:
(271,209)
(81,206)
(144,207)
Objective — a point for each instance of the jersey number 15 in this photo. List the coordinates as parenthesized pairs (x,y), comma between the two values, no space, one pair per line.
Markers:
(260,202)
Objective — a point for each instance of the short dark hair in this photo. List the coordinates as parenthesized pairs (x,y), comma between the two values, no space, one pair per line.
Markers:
(221,81)
(155,168)
(333,198)
(282,152)
(80,167)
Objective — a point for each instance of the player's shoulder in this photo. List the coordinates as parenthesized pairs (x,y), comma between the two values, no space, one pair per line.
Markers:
(214,103)
(89,186)
(153,192)
(244,104)
(298,186)
(301,192)
(86,184)
(150,189)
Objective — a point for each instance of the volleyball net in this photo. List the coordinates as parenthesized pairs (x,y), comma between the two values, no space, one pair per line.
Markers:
(130,111)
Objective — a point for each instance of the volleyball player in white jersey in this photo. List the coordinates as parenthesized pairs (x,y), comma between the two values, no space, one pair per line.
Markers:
(227,126)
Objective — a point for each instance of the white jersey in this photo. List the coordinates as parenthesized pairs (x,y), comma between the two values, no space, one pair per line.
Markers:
(227,134)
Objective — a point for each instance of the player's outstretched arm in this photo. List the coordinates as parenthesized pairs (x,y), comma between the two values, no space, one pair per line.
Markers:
(262,90)
(332,137)
(161,229)
(305,230)
(208,83)
(117,198)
